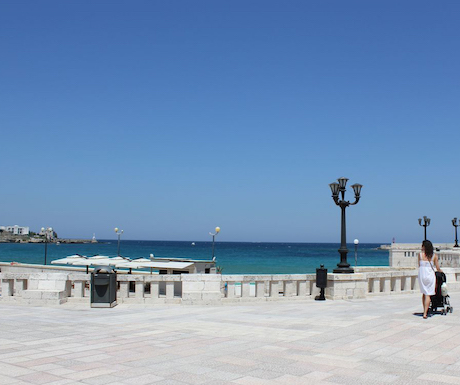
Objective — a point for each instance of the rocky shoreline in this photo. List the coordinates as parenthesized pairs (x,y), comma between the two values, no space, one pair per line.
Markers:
(27,239)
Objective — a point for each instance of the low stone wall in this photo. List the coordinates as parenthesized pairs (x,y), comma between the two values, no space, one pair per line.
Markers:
(405,255)
(238,288)
(43,285)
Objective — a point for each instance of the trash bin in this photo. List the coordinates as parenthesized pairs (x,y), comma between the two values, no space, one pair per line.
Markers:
(103,287)
(321,282)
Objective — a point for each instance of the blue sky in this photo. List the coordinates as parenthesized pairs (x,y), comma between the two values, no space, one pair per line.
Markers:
(167,119)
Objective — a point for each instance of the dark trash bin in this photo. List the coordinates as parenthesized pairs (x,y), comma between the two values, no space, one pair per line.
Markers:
(321,282)
(103,287)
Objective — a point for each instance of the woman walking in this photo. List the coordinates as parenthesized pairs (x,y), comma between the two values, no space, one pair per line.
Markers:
(427,260)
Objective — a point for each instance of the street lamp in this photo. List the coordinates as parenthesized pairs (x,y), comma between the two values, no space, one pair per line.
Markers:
(426,223)
(356,242)
(336,188)
(213,239)
(118,232)
(454,223)
(48,234)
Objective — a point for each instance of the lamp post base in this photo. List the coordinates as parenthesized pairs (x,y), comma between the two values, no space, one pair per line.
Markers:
(343,270)
(343,267)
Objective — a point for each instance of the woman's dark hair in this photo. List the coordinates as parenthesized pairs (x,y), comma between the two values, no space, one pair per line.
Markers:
(428,248)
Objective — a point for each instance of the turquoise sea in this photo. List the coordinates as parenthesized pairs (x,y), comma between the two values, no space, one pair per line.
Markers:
(232,257)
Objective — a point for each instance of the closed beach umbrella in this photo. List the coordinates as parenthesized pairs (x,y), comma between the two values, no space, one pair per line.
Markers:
(143,263)
(76,259)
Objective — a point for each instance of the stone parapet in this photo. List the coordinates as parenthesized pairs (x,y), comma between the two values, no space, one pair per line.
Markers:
(346,286)
(204,289)
(405,255)
(35,287)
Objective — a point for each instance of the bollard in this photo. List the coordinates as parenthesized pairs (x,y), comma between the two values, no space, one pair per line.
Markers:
(321,282)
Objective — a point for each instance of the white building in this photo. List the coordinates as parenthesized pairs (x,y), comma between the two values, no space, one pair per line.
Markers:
(15,230)
(48,232)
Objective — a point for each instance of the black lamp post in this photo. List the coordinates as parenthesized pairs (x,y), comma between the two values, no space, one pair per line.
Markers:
(454,223)
(356,242)
(48,234)
(213,239)
(118,232)
(426,223)
(336,188)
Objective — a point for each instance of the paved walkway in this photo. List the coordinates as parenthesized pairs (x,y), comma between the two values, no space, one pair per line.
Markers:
(372,341)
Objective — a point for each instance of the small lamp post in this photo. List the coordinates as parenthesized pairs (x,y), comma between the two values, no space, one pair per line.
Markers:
(426,223)
(118,232)
(356,242)
(48,233)
(454,223)
(336,188)
(217,230)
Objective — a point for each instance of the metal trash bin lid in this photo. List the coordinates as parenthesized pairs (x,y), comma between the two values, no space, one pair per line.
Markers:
(103,270)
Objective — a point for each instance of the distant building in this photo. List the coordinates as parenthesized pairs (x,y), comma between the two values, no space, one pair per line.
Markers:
(49,233)
(15,230)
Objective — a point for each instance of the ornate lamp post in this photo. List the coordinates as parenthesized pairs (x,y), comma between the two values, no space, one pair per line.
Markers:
(118,232)
(454,223)
(48,234)
(336,188)
(426,223)
(213,239)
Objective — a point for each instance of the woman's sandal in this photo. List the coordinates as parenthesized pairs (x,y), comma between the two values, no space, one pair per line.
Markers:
(425,317)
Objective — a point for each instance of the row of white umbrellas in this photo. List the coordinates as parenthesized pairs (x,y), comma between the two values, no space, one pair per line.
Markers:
(123,262)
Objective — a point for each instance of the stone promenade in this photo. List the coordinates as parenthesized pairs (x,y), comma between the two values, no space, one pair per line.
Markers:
(373,341)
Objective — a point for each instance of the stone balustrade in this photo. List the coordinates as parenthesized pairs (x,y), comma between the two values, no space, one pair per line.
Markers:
(44,286)
(132,288)
(237,288)
(405,255)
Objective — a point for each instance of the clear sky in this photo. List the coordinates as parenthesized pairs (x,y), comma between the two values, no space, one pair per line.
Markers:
(169,118)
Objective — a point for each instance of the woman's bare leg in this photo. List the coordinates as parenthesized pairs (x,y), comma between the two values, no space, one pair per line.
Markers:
(426,304)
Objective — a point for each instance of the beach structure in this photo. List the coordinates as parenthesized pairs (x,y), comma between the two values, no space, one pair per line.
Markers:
(160,265)
(185,266)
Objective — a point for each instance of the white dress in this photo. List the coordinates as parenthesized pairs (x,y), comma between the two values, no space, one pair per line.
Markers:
(427,277)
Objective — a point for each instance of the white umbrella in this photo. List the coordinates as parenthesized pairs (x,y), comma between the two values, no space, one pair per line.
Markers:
(97,256)
(76,259)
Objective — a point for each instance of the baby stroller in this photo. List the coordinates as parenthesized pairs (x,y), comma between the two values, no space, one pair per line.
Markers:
(440,300)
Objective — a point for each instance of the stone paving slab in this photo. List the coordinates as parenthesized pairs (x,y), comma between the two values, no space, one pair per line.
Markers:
(381,340)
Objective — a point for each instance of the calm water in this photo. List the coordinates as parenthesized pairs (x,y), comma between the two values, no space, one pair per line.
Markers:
(233,257)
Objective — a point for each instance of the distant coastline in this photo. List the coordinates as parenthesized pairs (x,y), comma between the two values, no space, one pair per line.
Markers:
(10,238)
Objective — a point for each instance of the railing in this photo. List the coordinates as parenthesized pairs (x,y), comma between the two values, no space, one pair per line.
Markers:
(269,287)
(29,284)
(392,282)
(449,259)
(408,257)
(130,288)
(133,288)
